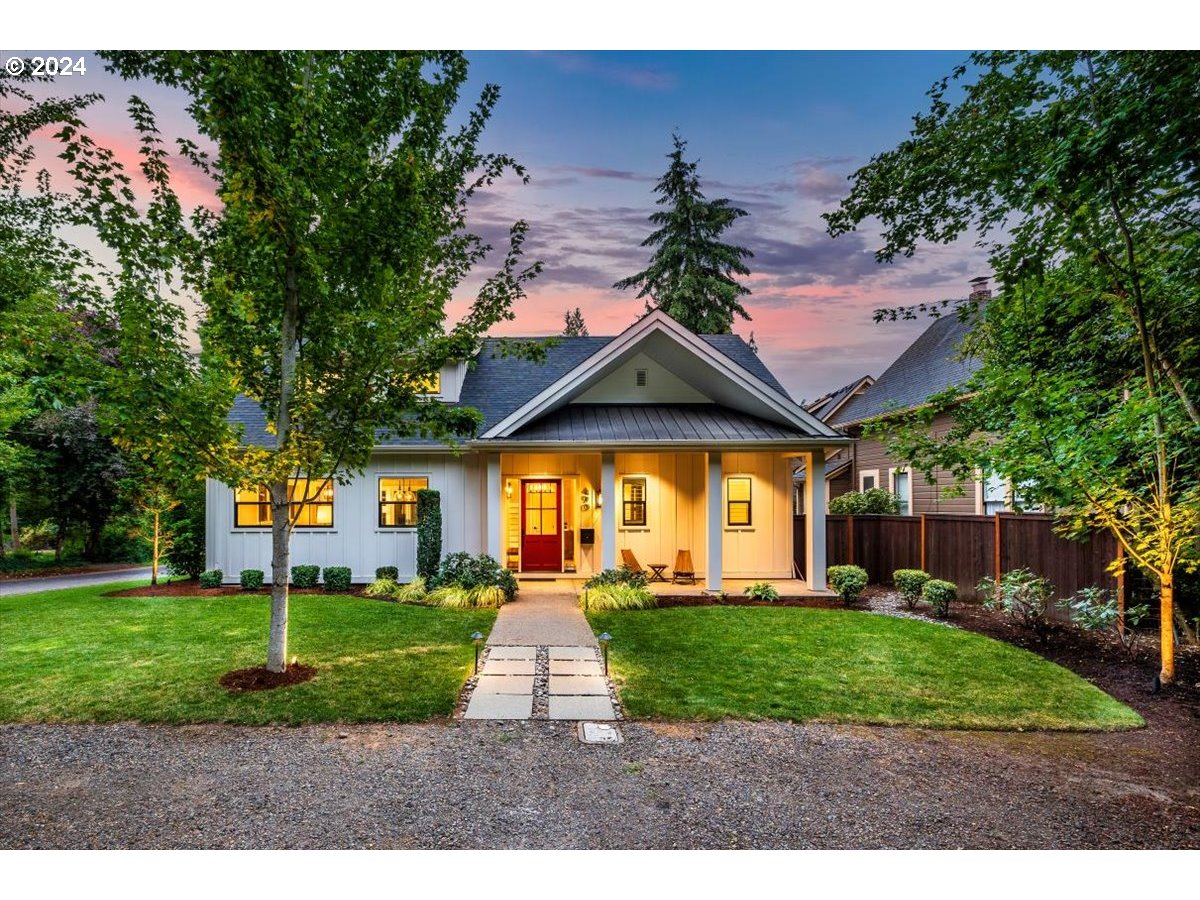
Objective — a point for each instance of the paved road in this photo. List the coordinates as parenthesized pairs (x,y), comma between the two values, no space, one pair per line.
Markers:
(12,586)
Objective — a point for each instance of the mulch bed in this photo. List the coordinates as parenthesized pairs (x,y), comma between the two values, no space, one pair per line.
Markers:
(243,681)
(193,589)
(667,601)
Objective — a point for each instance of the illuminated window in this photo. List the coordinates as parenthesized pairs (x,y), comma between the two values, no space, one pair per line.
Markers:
(398,501)
(737,500)
(633,501)
(431,385)
(311,503)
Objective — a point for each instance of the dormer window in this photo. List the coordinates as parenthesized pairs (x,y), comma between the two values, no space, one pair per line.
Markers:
(640,378)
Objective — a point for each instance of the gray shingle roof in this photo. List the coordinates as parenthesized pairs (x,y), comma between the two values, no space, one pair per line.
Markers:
(615,423)
(929,365)
(498,385)
(826,402)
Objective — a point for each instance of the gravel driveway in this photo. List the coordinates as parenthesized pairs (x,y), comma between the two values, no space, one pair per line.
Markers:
(482,784)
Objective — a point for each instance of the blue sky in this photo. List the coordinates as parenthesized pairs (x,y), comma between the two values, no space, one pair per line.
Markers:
(777,133)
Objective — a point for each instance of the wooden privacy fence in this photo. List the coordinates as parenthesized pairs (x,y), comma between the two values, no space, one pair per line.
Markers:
(963,549)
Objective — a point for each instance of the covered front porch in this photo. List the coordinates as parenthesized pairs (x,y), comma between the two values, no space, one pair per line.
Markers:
(569,513)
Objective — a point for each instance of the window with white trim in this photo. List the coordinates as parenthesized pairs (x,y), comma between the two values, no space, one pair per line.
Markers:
(902,488)
(995,494)
(311,505)
(398,500)
(868,479)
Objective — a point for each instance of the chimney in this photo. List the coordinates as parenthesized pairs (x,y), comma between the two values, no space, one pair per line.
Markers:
(980,289)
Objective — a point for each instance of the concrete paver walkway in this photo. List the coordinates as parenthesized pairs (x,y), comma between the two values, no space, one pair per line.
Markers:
(541,646)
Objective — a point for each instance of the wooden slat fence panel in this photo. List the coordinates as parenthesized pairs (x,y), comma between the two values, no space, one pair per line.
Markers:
(883,544)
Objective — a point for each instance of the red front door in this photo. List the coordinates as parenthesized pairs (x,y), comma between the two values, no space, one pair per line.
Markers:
(541,526)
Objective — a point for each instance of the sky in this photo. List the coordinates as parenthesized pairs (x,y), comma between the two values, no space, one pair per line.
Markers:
(776,133)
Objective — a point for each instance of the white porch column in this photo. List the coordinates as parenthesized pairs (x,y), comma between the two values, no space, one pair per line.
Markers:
(814,519)
(608,510)
(492,504)
(715,533)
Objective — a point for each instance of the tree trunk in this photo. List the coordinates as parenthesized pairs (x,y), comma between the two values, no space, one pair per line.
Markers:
(154,552)
(1166,628)
(280,559)
(13,526)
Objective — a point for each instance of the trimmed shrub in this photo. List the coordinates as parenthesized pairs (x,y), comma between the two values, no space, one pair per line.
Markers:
(251,579)
(1022,596)
(848,581)
(213,578)
(940,594)
(467,571)
(429,533)
(762,590)
(619,575)
(1095,609)
(382,587)
(305,576)
(875,502)
(620,596)
(337,579)
(909,583)
(389,572)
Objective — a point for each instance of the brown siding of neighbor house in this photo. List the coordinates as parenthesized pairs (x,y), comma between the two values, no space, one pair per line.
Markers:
(926,497)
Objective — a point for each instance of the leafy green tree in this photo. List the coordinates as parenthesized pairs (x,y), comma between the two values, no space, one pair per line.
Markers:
(573,324)
(1079,172)
(325,274)
(691,273)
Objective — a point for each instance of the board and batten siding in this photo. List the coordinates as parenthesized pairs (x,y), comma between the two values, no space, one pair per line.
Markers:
(764,549)
(355,540)
(675,517)
(926,498)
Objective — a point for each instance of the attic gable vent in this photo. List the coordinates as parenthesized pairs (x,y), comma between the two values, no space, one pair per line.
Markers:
(641,378)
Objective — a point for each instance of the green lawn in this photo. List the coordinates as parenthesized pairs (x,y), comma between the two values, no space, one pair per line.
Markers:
(78,656)
(840,666)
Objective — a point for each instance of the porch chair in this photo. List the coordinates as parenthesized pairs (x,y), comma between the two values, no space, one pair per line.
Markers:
(684,572)
(629,561)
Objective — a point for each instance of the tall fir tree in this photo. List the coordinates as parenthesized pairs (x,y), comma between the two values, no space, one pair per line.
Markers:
(573,324)
(691,272)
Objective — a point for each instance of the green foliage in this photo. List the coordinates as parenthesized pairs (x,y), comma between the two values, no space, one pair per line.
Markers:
(413,592)
(762,590)
(251,579)
(305,576)
(940,594)
(337,579)
(391,572)
(909,583)
(382,587)
(620,575)
(691,273)
(185,523)
(212,578)
(620,595)
(1077,172)
(429,533)
(1095,609)
(1021,595)
(873,502)
(467,571)
(573,324)
(848,581)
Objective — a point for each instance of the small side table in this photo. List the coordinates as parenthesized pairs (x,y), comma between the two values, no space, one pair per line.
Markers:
(656,571)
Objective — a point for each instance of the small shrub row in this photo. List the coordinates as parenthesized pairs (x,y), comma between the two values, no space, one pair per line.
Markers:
(618,595)
(620,575)
(848,581)
(305,576)
(337,579)
(463,570)
(213,578)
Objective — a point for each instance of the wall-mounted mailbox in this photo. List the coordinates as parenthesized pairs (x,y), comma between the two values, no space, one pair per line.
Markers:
(587,536)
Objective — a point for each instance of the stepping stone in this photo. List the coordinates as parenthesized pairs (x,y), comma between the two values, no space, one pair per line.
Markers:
(575,667)
(512,652)
(501,706)
(508,667)
(504,684)
(572,653)
(578,684)
(576,708)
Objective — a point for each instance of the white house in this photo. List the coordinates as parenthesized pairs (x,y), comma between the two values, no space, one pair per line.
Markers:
(656,440)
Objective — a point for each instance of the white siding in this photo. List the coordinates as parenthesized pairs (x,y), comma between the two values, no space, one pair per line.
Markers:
(355,539)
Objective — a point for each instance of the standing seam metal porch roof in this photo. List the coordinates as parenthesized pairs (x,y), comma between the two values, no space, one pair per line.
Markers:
(659,422)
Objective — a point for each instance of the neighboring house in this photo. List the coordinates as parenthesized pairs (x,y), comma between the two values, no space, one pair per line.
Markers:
(932,363)
(656,440)
(839,466)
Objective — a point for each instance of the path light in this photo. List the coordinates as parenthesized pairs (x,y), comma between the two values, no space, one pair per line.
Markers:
(604,639)
(585,608)
(478,639)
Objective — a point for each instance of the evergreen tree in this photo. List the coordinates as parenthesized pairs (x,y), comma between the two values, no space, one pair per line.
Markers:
(573,324)
(691,272)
